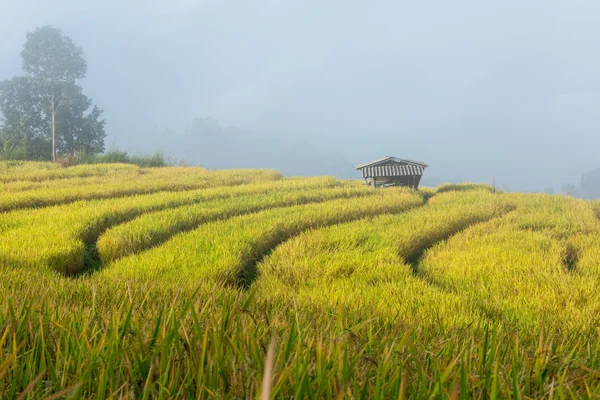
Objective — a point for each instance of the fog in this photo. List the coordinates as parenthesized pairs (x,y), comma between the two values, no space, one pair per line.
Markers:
(509,88)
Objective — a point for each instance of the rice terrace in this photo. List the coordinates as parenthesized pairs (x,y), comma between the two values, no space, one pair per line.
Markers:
(187,209)
(179,282)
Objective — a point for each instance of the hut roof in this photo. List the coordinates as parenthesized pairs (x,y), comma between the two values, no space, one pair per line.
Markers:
(389,159)
(391,166)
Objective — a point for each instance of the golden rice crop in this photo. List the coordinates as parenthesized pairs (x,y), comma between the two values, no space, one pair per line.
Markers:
(521,268)
(558,216)
(153,228)
(122,175)
(224,251)
(61,235)
(596,207)
(453,292)
(451,187)
(366,265)
(180,179)
(12,171)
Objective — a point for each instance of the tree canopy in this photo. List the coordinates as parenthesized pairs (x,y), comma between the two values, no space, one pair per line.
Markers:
(45,112)
(590,184)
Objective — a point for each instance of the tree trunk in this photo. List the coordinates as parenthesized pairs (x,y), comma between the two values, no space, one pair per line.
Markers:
(53,132)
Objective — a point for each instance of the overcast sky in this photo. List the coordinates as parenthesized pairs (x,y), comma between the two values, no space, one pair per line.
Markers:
(474,88)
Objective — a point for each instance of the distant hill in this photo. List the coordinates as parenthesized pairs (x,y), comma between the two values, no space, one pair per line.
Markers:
(209,144)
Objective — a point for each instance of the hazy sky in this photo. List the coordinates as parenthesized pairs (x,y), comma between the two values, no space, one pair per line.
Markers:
(474,88)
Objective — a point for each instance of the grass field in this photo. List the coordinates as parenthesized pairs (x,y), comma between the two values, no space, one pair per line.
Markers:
(124,282)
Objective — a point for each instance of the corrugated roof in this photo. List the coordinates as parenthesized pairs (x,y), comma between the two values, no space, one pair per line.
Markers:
(390,160)
(392,170)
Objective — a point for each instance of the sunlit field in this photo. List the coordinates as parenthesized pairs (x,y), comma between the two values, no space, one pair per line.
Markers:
(124,282)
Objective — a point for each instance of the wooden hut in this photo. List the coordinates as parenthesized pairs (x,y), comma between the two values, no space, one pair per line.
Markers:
(392,171)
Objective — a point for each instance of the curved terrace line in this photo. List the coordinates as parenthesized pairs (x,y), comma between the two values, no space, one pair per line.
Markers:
(126,212)
(414,259)
(111,190)
(96,259)
(250,272)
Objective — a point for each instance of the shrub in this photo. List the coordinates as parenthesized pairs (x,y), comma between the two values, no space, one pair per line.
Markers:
(10,152)
(121,156)
(155,160)
(69,160)
(112,156)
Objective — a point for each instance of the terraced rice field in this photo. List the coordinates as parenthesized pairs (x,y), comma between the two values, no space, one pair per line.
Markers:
(121,282)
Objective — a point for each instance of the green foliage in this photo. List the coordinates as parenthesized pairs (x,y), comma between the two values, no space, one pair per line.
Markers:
(52,64)
(152,161)
(51,57)
(24,133)
(115,155)
(80,125)
(12,151)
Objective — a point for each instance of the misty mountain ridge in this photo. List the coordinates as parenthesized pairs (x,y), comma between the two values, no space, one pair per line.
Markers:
(213,146)
(207,143)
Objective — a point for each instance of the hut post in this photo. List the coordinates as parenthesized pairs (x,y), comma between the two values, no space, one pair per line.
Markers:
(373,183)
(417,181)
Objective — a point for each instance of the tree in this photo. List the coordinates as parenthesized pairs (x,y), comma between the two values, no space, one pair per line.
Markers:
(590,184)
(570,189)
(45,111)
(80,132)
(53,63)
(23,119)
